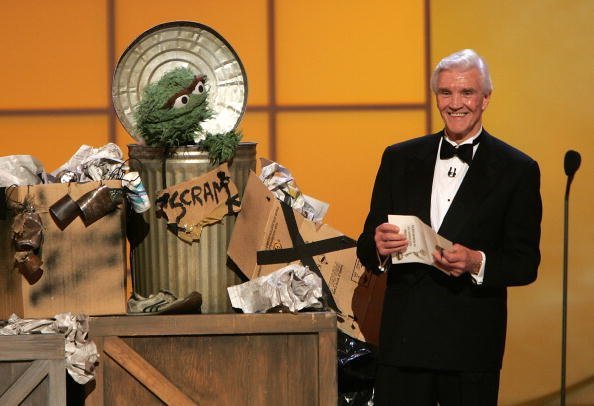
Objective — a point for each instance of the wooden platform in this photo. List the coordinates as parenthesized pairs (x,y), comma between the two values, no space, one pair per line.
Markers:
(32,370)
(216,359)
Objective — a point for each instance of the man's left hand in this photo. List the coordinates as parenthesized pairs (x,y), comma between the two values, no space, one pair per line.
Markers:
(458,260)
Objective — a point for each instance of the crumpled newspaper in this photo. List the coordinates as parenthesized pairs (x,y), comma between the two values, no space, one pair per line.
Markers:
(81,354)
(21,170)
(293,286)
(89,163)
(281,183)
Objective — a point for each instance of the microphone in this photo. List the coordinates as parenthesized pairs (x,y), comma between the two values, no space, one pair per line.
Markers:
(571,164)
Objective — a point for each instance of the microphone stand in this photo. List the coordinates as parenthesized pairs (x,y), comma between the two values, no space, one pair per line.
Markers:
(564,306)
(571,164)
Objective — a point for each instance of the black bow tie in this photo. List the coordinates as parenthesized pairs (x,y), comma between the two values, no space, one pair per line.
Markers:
(464,152)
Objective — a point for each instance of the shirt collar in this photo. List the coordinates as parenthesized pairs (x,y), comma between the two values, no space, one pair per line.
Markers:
(467,141)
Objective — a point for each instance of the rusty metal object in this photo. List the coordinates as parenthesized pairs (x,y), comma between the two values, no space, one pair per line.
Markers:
(64,211)
(27,231)
(29,265)
(97,203)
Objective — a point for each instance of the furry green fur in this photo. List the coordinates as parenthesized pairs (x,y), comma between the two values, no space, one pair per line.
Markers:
(221,147)
(171,126)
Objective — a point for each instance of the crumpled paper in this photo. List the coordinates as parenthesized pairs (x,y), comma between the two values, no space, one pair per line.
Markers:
(81,354)
(281,183)
(136,192)
(89,163)
(294,286)
(21,170)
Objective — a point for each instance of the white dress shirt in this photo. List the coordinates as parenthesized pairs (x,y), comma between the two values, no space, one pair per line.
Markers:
(447,178)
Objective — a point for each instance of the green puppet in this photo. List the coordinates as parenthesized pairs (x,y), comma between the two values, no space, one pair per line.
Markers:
(171,112)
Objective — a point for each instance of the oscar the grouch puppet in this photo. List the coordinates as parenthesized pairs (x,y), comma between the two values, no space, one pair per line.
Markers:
(171,113)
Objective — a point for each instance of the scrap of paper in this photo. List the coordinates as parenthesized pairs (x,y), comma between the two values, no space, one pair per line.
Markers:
(189,206)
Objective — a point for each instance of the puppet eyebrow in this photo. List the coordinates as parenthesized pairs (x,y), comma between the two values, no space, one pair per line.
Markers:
(187,90)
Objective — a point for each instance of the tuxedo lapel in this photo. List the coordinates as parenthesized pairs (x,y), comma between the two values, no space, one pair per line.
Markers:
(479,180)
(419,177)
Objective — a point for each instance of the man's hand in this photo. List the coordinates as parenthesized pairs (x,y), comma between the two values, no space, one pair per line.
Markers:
(388,239)
(458,260)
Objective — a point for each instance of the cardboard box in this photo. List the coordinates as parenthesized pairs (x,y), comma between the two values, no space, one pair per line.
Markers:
(84,267)
(269,235)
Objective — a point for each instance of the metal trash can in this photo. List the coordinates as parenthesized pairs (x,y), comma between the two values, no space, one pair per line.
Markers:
(162,260)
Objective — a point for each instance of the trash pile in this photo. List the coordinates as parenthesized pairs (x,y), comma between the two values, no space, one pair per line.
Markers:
(81,353)
(275,228)
(26,208)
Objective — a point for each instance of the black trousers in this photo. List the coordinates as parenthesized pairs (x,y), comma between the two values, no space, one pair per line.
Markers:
(395,386)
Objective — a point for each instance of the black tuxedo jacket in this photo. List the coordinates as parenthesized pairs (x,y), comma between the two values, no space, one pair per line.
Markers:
(431,320)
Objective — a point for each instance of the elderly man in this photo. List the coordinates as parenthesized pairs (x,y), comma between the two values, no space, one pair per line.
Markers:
(443,333)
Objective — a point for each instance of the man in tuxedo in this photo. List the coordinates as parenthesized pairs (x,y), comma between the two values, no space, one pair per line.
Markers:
(443,331)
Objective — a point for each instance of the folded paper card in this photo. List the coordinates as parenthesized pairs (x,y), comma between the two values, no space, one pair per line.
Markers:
(422,240)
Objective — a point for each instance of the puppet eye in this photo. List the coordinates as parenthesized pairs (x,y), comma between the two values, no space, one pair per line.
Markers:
(181,101)
(200,88)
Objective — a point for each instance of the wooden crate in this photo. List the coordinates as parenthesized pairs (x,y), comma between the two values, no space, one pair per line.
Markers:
(32,370)
(216,359)
(84,267)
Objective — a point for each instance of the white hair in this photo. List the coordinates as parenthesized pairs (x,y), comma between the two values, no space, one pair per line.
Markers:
(463,60)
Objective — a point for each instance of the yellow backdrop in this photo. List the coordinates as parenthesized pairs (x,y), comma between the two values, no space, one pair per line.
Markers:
(331,83)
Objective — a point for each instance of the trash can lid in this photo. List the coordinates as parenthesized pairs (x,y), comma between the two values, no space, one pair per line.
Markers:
(181,44)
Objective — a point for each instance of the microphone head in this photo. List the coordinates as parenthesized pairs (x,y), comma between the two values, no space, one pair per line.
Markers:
(572,162)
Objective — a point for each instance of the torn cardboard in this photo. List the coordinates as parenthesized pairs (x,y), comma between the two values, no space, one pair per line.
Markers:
(189,206)
(262,242)
(84,267)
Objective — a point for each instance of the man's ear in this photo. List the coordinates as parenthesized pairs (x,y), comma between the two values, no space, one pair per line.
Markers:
(485,102)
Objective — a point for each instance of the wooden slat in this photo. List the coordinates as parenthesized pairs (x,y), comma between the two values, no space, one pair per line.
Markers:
(26,383)
(31,346)
(327,368)
(95,398)
(57,382)
(144,372)
(302,369)
(212,324)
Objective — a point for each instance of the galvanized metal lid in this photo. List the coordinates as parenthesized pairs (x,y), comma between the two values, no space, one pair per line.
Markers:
(181,44)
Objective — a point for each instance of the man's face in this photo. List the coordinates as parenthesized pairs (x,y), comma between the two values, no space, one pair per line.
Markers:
(461,102)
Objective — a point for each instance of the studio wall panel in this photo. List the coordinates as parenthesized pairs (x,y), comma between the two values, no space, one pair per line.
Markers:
(242,23)
(335,156)
(51,139)
(350,52)
(255,128)
(54,55)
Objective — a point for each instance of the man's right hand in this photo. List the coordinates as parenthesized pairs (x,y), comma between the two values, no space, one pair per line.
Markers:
(388,239)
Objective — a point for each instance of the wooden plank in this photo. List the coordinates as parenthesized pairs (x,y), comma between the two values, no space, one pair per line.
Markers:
(57,382)
(212,324)
(26,383)
(302,369)
(121,388)
(144,372)
(222,370)
(95,397)
(259,359)
(31,346)
(9,372)
(328,386)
